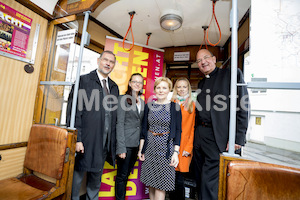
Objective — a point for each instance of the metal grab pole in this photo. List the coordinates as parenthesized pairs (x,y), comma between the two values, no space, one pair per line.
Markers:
(82,42)
(233,85)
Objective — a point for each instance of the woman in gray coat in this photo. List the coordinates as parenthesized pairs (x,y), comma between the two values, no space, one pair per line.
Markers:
(129,117)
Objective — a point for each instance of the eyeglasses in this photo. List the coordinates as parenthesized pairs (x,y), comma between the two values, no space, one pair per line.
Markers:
(107,60)
(204,58)
(136,82)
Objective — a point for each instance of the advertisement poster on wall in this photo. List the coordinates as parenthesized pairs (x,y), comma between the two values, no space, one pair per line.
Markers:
(141,59)
(149,62)
(14,31)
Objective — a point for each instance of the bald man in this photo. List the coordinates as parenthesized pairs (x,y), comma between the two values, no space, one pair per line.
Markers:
(212,122)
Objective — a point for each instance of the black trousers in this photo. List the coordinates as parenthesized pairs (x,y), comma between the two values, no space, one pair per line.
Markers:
(179,192)
(125,166)
(206,157)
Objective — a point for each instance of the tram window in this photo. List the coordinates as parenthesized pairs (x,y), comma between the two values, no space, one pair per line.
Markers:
(54,105)
(273,111)
(274,121)
(64,68)
(89,63)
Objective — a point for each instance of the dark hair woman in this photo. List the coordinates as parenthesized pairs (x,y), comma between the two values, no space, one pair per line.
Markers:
(129,118)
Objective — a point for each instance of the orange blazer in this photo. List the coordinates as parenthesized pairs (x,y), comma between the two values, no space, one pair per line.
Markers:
(187,139)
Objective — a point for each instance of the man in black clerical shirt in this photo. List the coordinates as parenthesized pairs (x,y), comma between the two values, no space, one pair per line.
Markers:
(212,122)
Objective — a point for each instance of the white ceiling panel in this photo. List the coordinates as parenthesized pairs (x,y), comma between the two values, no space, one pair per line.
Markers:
(196,13)
(47,5)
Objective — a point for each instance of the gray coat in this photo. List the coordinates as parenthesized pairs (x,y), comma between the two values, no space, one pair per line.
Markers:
(128,127)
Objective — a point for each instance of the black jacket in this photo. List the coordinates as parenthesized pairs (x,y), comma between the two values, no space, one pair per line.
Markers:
(220,119)
(89,122)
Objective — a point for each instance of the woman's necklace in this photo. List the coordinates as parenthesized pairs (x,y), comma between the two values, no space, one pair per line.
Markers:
(182,99)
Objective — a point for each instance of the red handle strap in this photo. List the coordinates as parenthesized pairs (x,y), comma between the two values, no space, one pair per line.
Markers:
(214,16)
(129,28)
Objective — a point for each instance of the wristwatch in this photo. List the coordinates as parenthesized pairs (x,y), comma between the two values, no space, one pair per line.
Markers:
(176,151)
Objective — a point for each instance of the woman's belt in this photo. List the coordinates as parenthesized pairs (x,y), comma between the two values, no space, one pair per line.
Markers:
(159,134)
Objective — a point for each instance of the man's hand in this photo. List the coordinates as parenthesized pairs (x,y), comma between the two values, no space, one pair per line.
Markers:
(79,147)
(122,155)
(236,146)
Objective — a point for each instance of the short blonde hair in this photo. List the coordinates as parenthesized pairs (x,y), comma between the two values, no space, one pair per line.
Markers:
(165,79)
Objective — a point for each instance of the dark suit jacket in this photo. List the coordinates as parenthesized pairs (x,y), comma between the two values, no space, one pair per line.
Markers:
(89,122)
(129,124)
(220,119)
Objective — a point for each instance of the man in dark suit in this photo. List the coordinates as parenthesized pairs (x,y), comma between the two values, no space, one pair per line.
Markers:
(212,122)
(96,124)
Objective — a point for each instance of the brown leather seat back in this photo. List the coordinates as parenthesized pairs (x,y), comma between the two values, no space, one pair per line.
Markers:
(46,150)
(256,180)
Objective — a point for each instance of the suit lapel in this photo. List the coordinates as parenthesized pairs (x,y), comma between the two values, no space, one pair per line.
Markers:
(94,77)
(111,84)
(137,111)
(218,82)
(141,114)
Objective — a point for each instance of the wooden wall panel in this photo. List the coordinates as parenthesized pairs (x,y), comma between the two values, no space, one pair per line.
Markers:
(243,32)
(169,53)
(12,162)
(195,76)
(18,88)
(243,35)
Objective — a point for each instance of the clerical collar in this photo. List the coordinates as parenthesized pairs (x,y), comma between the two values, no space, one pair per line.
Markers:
(212,73)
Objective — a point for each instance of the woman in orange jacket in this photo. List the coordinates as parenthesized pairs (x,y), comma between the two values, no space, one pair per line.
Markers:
(182,95)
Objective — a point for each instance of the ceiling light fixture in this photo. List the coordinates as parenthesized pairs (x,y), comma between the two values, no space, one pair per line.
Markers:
(171,20)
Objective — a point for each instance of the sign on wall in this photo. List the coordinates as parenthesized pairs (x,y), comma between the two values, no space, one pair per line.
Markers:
(14,31)
(65,36)
(182,56)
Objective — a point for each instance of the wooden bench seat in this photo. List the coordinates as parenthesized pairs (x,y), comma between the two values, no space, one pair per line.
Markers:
(50,152)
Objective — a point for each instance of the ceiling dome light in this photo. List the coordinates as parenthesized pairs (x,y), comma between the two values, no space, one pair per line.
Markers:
(171,20)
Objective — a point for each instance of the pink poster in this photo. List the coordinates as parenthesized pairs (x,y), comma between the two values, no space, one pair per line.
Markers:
(14,31)
(136,190)
(143,59)
(147,61)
